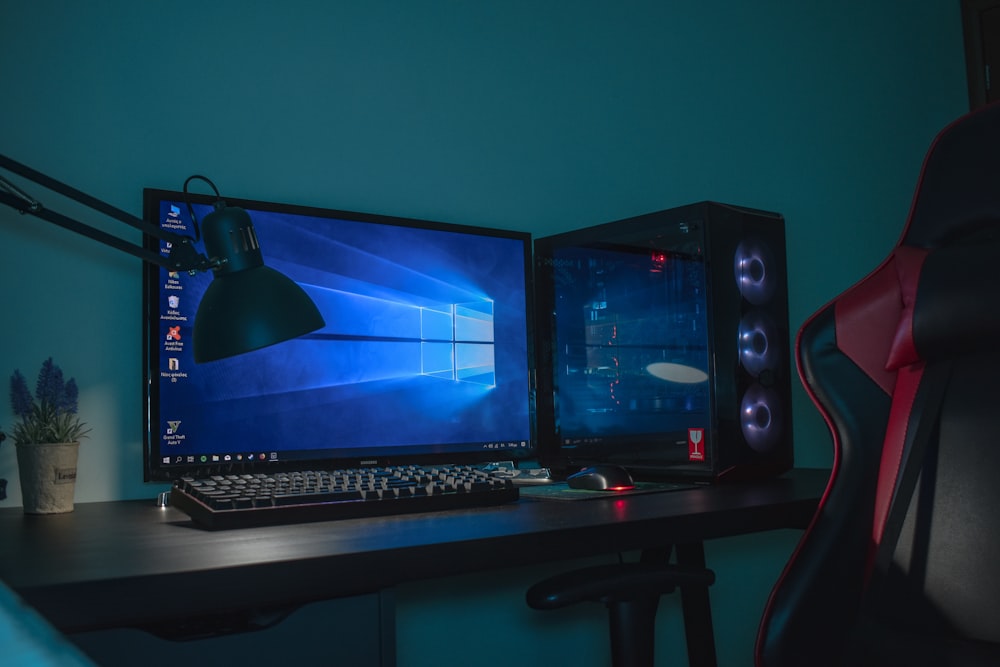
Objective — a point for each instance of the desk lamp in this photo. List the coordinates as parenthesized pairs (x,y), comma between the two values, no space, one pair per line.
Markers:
(246,307)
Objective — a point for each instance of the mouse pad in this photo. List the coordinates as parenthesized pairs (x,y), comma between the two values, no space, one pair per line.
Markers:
(561,491)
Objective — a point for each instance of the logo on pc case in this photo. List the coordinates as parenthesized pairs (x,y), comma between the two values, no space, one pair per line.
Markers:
(696,444)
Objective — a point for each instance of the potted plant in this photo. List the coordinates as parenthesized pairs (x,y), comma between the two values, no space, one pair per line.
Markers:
(47,439)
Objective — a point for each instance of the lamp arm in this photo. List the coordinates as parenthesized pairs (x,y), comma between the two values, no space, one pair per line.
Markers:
(183,255)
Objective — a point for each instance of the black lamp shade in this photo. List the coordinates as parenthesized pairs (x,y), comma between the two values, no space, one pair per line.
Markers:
(248,305)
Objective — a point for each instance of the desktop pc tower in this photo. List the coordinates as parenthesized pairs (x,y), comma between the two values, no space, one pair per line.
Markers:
(663,345)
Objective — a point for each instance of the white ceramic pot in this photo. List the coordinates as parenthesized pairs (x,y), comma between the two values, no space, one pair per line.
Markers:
(48,476)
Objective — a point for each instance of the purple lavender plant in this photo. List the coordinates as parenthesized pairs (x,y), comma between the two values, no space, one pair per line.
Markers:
(20,397)
(49,415)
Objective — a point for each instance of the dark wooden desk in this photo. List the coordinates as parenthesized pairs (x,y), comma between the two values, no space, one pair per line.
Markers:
(132,564)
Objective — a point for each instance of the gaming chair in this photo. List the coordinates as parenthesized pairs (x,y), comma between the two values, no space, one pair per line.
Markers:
(901,564)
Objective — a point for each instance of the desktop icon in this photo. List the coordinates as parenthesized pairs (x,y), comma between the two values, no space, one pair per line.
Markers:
(173,301)
(173,427)
(174,333)
(174,364)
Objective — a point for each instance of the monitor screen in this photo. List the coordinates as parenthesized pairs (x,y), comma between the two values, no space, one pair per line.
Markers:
(425,354)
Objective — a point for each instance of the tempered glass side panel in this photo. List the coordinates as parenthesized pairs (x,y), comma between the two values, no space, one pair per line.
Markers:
(624,355)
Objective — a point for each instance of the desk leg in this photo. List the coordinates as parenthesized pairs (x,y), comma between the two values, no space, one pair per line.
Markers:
(697,609)
(694,602)
(387,627)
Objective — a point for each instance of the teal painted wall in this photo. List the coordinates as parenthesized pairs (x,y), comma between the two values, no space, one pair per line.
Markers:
(539,116)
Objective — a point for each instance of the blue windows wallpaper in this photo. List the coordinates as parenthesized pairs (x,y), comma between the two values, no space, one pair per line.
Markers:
(425,348)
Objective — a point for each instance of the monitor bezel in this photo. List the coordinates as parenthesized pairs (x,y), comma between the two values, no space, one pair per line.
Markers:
(155,471)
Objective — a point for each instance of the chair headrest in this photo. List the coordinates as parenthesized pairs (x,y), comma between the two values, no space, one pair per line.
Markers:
(951,299)
(958,181)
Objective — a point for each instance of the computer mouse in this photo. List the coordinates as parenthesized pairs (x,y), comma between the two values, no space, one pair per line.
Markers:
(601,478)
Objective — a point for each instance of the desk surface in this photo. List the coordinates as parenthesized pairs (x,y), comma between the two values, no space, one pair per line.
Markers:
(130,563)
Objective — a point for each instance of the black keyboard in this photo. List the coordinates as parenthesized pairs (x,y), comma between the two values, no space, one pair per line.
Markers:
(240,501)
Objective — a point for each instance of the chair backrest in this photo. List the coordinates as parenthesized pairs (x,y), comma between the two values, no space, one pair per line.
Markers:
(913,348)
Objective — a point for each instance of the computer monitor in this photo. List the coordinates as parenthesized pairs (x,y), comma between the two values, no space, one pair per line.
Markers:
(663,345)
(425,355)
